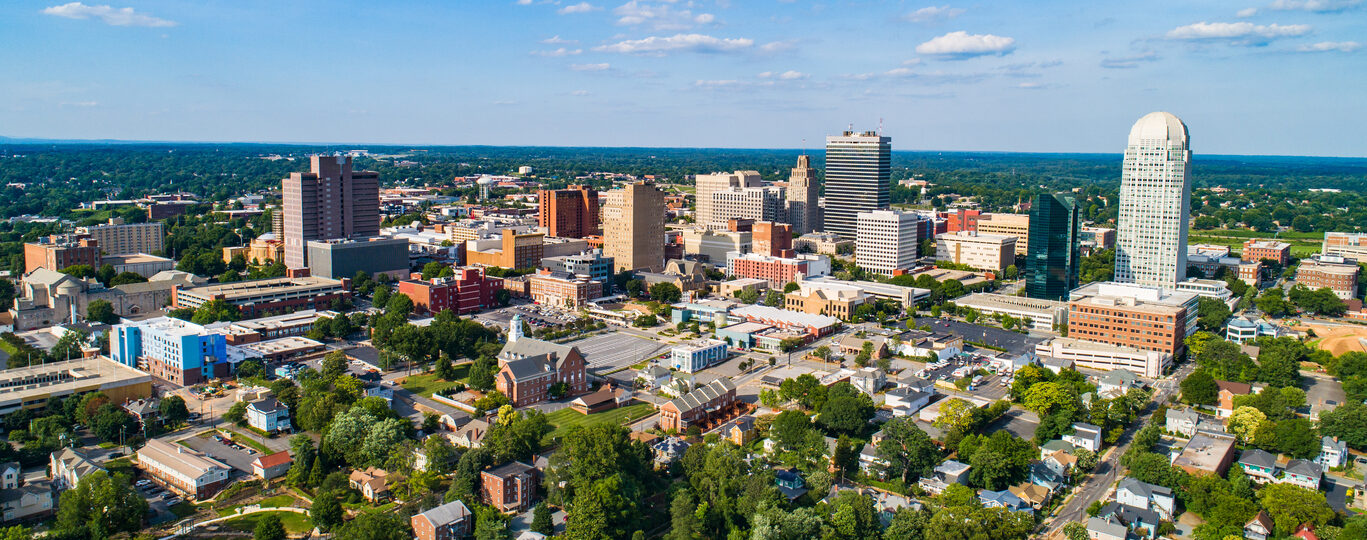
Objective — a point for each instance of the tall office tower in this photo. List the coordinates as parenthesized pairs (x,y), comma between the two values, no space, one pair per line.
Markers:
(1055,251)
(569,213)
(327,203)
(634,227)
(1155,202)
(858,169)
(886,241)
(804,212)
(708,184)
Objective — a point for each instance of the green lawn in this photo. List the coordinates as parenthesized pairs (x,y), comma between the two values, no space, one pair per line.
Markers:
(427,384)
(564,419)
(295,523)
(1300,247)
(248,440)
(272,502)
(183,510)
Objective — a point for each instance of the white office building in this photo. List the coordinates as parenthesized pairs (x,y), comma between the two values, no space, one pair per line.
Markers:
(858,168)
(757,203)
(886,241)
(1155,202)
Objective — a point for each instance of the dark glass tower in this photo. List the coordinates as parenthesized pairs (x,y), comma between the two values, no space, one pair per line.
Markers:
(1054,253)
(858,179)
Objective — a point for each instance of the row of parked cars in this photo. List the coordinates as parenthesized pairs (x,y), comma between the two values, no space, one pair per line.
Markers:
(231,444)
(152,492)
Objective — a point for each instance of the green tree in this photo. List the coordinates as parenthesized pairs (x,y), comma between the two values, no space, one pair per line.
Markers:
(491,525)
(906,450)
(375,525)
(482,374)
(173,410)
(100,506)
(665,293)
(334,365)
(126,278)
(1290,505)
(101,311)
(445,371)
(1348,422)
(1244,422)
(269,527)
(237,414)
(1211,314)
(541,519)
(1200,389)
(215,310)
(846,410)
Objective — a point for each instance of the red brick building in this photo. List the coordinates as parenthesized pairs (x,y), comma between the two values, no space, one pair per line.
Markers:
(449,521)
(529,367)
(1257,250)
(569,213)
(961,220)
(1337,273)
(710,404)
(509,488)
(769,238)
(778,270)
(58,252)
(562,289)
(466,292)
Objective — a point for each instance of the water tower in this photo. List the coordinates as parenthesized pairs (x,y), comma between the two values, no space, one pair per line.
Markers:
(484,182)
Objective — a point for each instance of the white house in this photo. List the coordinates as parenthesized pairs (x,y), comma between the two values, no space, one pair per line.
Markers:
(1182,421)
(1136,494)
(869,380)
(905,401)
(68,466)
(268,415)
(1085,436)
(1333,453)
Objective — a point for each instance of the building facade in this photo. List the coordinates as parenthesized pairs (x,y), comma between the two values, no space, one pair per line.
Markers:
(466,292)
(1017,225)
(1138,317)
(510,487)
(529,367)
(60,251)
(704,405)
(1336,273)
(265,296)
(178,351)
(1258,250)
(708,184)
(1345,244)
(450,521)
(509,249)
(981,251)
(119,238)
(634,227)
(1052,260)
(569,213)
(697,355)
(831,299)
(590,263)
(765,203)
(858,179)
(183,470)
(337,259)
(562,289)
(804,194)
(771,238)
(1155,203)
(886,241)
(778,270)
(330,201)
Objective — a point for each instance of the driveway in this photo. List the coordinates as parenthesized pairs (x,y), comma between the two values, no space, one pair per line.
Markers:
(238,459)
(1013,342)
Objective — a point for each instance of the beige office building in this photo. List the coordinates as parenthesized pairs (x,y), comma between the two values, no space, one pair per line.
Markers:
(715,244)
(1017,225)
(119,238)
(634,227)
(708,184)
(755,203)
(981,251)
(804,194)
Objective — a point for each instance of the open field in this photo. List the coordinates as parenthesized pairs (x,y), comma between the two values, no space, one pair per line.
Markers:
(567,418)
(1338,339)
(1300,245)
(427,384)
(295,523)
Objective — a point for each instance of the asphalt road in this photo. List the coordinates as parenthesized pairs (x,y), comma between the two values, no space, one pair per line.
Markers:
(1108,470)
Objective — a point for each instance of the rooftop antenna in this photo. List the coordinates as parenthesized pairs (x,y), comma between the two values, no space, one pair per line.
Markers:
(880,126)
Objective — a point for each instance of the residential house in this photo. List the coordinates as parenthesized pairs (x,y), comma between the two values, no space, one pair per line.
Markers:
(869,461)
(606,398)
(949,472)
(1085,436)
(1306,531)
(528,368)
(1141,521)
(450,521)
(1333,453)
(1182,421)
(145,410)
(1002,499)
(1108,528)
(1056,364)
(183,470)
(1136,494)
(27,502)
(1034,495)
(1116,382)
(652,377)
(268,415)
(713,402)
(1206,453)
(1042,475)
(1259,528)
(1060,462)
(11,475)
(1259,465)
(470,435)
(273,465)
(372,482)
(1227,391)
(739,431)
(1302,473)
(668,451)
(912,382)
(905,401)
(790,483)
(67,466)
(510,487)
(869,380)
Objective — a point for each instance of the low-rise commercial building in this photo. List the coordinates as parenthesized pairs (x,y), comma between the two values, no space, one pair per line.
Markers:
(710,404)
(826,298)
(183,470)
(1104,356)
(907,296)
(61,251)
(466,292)
(141,264)
(1206,453)
(823,243)
(591,263)
(803,323)
(732,288)
(1258,250)
(266,296)
(697,355)
(562,289)
(1336,273)
(777,270)
(30,387)
(982,251)
(1038,314)
(712,245)
(1096,238)
(337,259)
(293,324)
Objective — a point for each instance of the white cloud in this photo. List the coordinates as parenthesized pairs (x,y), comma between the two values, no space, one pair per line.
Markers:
(960,45)
(558,52)
(791,75)
(912,62)
(1239,33)
(556,40)
(524,2)
(705,18)
(932,13)
(591,67)
(1128,62)
(659,45)
(716,83)
(898,72)
(109,15)
(1246,12)
(1031,85)
(582,7)
(81,104)
(778,46)
(659,16)
(1317,6)
(1332,46)
(579,93)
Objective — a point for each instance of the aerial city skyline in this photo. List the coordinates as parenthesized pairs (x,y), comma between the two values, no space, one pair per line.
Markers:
(997,77)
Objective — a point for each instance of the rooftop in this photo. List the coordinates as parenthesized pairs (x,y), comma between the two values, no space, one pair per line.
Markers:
(18,385)
(1205,452)
(1003,301)
(178,458)
(247,289)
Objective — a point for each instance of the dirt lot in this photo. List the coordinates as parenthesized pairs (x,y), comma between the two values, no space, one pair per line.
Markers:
(1339,339)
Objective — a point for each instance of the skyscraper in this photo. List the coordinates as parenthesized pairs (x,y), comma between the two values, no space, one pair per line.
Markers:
(858,172)
(803,195)
(634,227)
(709,184)
(1055,250)
(569,213)
(327,203)
(1155,202)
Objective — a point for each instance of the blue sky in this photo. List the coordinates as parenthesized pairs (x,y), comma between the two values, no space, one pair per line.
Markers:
(1248,77)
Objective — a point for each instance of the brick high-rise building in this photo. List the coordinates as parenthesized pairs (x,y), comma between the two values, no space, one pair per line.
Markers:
(774,239)
(119,238)
(961,220)
(1337,273)
(60,251)
(569,213)
(1134,316)
(634,227)
(329,202)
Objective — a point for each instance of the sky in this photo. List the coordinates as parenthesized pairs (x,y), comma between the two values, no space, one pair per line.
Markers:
(1272,77)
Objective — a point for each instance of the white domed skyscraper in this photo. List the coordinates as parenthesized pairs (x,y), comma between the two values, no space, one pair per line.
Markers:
(1155,203)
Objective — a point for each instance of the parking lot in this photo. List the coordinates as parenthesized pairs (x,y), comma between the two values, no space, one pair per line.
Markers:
(159,500)
(1322,393)
(237,456)
(616,350)
(532,314)
(1018,422)
(1014,343)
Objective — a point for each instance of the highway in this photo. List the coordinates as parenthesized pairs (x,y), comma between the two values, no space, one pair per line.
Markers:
(1108,470)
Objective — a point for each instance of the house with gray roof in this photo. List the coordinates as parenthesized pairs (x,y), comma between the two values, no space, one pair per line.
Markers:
(449,521)
(1136,494)
(529,368)
(67,466)
(1108,528)
(1182,421)
(1003,499)
(1085,436)
(1259,465)
(1302,473)
(1333,453)
(705,406)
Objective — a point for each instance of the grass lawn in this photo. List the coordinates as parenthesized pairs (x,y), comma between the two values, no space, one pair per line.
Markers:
(295,523)
(273,502)
(106,445)
(248,440)
(564,419)
(1302,244)
(427,384)
(183,510)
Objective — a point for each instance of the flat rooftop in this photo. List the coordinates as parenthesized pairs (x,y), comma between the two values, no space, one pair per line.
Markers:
(247,289)
(1002,301)
(1205,452)
(301,317)
(134,258)
(282,345)
(19,385)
